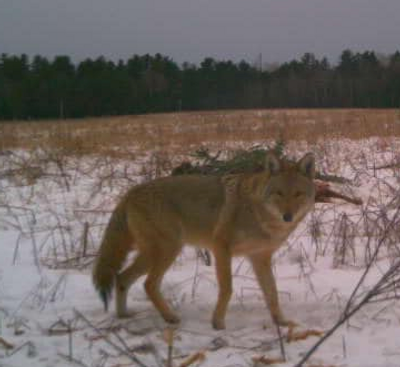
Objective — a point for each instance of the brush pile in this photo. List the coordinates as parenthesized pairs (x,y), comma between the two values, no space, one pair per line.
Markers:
(251,161)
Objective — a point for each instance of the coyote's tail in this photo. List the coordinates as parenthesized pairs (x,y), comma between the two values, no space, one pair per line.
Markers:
(113,251)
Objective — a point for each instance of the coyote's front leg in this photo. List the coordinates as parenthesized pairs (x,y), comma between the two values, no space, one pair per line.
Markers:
(224,277)
(263,270)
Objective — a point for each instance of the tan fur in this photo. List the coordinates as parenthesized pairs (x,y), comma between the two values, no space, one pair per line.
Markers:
(237,215)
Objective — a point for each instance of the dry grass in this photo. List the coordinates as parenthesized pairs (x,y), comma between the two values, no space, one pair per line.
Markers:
(176,132)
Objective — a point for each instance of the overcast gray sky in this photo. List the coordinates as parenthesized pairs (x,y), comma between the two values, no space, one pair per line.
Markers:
(189,30)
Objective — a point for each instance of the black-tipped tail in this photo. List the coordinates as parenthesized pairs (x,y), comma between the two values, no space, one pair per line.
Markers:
(105,296)
(113,250)
(104,280)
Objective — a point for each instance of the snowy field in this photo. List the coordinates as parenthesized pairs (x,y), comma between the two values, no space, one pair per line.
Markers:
(53,209)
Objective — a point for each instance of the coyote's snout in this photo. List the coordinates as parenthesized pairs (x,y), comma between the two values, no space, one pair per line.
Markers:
(235,215)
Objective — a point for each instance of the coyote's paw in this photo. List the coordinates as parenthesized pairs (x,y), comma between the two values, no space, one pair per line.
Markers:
(171,318)
(282,321)
(287,323)
(218,324)
(125,314)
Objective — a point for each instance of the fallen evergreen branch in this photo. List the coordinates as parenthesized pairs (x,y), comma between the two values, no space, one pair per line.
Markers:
(243,161)
(252,161)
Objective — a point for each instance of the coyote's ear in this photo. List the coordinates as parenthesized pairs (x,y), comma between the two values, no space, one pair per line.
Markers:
(307,165)
(272,164)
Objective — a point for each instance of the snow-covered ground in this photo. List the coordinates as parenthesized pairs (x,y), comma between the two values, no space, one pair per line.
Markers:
(50,225)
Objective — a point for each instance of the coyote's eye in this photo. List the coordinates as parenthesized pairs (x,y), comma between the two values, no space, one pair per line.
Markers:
(279,193)
(298,194)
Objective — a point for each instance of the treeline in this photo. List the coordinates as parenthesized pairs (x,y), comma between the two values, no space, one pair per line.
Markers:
(41,88)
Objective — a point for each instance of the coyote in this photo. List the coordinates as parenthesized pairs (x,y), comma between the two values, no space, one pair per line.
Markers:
(247,215)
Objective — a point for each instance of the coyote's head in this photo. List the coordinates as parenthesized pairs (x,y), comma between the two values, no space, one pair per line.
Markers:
(290,191)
